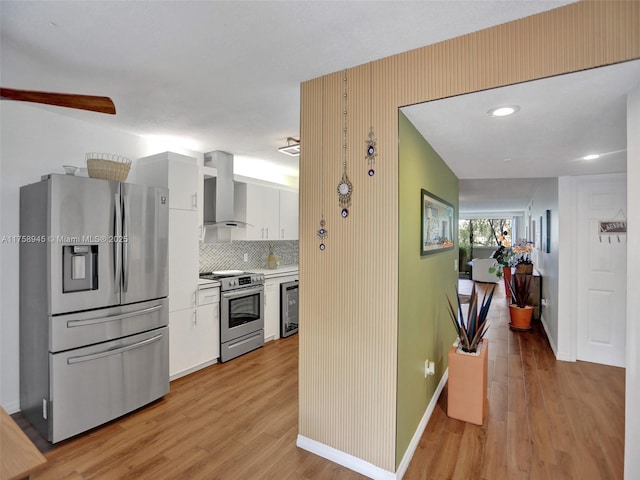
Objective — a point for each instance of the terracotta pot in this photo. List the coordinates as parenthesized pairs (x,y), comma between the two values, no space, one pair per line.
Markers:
(506,276)
(520,317)
(467,385)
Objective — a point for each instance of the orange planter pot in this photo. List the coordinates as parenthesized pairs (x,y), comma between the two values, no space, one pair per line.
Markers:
(467,385)
(520,317)
(506,276)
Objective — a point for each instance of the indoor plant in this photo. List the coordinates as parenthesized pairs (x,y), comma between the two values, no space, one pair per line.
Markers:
(519,311)
(522,257)
(471,332)
(503,256)
(468,363)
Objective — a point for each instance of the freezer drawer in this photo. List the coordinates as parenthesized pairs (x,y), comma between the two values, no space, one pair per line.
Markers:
(93,385)
(86,328)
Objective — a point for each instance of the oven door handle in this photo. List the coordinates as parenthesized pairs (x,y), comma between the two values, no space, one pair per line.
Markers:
(242,292)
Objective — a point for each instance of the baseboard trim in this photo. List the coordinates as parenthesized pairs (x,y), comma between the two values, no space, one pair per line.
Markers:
(346,460)
(191,370)
(550,340)
(413,445)
(368,469)
(562,356)
(12,407)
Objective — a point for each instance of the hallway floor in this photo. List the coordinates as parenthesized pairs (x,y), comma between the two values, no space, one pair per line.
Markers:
(546,419)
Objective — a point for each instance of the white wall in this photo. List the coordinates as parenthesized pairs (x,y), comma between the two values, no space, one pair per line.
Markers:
(36,141)
(546,198)
(632,425)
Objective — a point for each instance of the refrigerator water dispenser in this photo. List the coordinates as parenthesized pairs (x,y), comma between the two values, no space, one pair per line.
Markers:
(79,268)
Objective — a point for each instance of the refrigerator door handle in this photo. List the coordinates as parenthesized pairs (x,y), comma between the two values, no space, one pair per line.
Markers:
(117,232)
(115,351)
(124,241)
(112,318)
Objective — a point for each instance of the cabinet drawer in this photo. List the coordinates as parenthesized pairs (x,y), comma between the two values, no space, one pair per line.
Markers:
(208,295)
(93,385)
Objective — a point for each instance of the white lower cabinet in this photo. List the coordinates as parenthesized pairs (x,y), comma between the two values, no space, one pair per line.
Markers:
(272,305)
(208,323)
(194,338)
(182,353)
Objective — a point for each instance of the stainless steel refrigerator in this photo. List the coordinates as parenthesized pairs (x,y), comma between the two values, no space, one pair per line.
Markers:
(93,301)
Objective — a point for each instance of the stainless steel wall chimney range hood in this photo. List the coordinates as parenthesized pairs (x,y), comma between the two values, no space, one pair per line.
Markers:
(218,192)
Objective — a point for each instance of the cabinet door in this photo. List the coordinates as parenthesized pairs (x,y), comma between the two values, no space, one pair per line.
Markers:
(262,213)
(184,178)
(183,353)
(288,215)
(254,213)
(208,332)
(272,309)
(183,259)
(271,213)
(179,173)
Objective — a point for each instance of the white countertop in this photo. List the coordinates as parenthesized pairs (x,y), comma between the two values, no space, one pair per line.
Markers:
(282,271)
(278,272)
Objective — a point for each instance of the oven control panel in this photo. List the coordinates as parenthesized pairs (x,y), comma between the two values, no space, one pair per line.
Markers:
(241,281)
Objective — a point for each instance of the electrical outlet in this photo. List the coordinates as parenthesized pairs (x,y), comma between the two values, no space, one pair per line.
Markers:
(429,368)
(455,265)
(246,257)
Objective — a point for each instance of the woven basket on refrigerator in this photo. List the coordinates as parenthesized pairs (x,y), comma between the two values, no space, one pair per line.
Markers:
(107,166)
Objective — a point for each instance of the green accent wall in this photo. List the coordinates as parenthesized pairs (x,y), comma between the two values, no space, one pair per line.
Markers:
(424,329)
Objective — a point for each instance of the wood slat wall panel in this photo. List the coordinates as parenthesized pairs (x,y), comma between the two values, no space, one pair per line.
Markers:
(348,295)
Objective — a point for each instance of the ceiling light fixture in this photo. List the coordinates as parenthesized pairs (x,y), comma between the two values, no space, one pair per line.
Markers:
(593,156)
(292,148)
(503,111)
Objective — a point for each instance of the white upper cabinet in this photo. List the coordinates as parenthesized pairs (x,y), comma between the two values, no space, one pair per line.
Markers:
(262,211)
(288,215)
(179,173)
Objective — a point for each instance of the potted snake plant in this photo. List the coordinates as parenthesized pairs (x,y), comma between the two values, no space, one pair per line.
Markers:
(520,311)
(468,360)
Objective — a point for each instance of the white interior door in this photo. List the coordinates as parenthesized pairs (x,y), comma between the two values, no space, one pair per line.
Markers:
(601,274)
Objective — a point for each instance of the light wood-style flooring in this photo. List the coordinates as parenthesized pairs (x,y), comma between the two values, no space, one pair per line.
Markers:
(547,420)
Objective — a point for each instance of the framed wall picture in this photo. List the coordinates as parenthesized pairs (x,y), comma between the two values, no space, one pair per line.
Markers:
(547,243)
(437,217)
(533,233)
(540,234)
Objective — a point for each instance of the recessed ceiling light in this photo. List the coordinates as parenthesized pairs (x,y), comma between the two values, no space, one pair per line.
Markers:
(503,111)
(591,157)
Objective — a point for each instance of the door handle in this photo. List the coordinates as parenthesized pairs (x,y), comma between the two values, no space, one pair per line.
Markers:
(112,318)
(117,231)
(125,245)
(116,351)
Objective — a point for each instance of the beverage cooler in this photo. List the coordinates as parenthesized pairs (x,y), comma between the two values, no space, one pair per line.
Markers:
(288,308)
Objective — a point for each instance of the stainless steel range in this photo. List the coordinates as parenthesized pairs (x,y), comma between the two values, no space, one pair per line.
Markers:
(241,311)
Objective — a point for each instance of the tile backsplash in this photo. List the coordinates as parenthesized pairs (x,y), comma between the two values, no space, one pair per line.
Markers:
(230,256)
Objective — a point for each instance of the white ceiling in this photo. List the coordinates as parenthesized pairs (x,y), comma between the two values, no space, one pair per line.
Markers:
(561,120)
(225,75)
